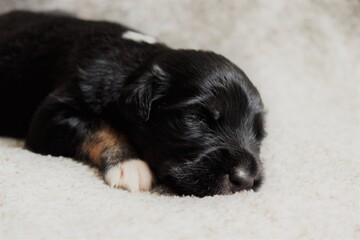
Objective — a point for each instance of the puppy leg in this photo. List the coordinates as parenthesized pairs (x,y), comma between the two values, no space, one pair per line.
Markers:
(111,152)
(60,128)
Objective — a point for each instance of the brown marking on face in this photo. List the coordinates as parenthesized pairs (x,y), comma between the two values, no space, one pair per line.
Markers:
(104,139)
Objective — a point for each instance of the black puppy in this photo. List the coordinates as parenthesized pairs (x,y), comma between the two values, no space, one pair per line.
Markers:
(102,93)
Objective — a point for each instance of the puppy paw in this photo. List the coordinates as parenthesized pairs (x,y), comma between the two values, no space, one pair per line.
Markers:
(133,175)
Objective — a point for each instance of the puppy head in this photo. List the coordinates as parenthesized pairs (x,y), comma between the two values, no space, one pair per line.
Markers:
(198,121)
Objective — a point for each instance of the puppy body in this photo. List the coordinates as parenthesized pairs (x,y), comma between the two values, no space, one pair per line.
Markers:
(107,95)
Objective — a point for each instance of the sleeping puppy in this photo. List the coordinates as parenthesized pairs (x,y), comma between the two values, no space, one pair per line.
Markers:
(138,110)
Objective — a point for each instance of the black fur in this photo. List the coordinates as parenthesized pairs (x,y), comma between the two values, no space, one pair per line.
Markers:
(193,116)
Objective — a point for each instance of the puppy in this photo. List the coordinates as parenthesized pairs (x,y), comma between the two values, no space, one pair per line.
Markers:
(104,94)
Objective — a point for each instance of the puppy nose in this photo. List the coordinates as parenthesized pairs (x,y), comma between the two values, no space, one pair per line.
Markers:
(240,182)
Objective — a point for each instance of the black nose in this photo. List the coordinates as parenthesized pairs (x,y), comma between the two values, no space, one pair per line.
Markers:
(239,183)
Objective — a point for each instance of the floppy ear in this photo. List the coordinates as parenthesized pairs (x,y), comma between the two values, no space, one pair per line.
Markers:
(138,96)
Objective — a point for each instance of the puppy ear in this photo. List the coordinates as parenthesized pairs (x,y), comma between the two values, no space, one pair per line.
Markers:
(139,95)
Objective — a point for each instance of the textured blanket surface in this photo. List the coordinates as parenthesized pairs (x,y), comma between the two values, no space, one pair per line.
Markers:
(304,57)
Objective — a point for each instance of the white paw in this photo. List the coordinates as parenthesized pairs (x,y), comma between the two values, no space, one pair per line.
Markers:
(133,175)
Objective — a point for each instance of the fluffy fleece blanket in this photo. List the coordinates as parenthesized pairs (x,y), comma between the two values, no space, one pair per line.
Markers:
(303,56)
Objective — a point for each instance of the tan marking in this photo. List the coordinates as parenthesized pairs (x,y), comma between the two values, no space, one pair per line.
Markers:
(94,146)
(95,151)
